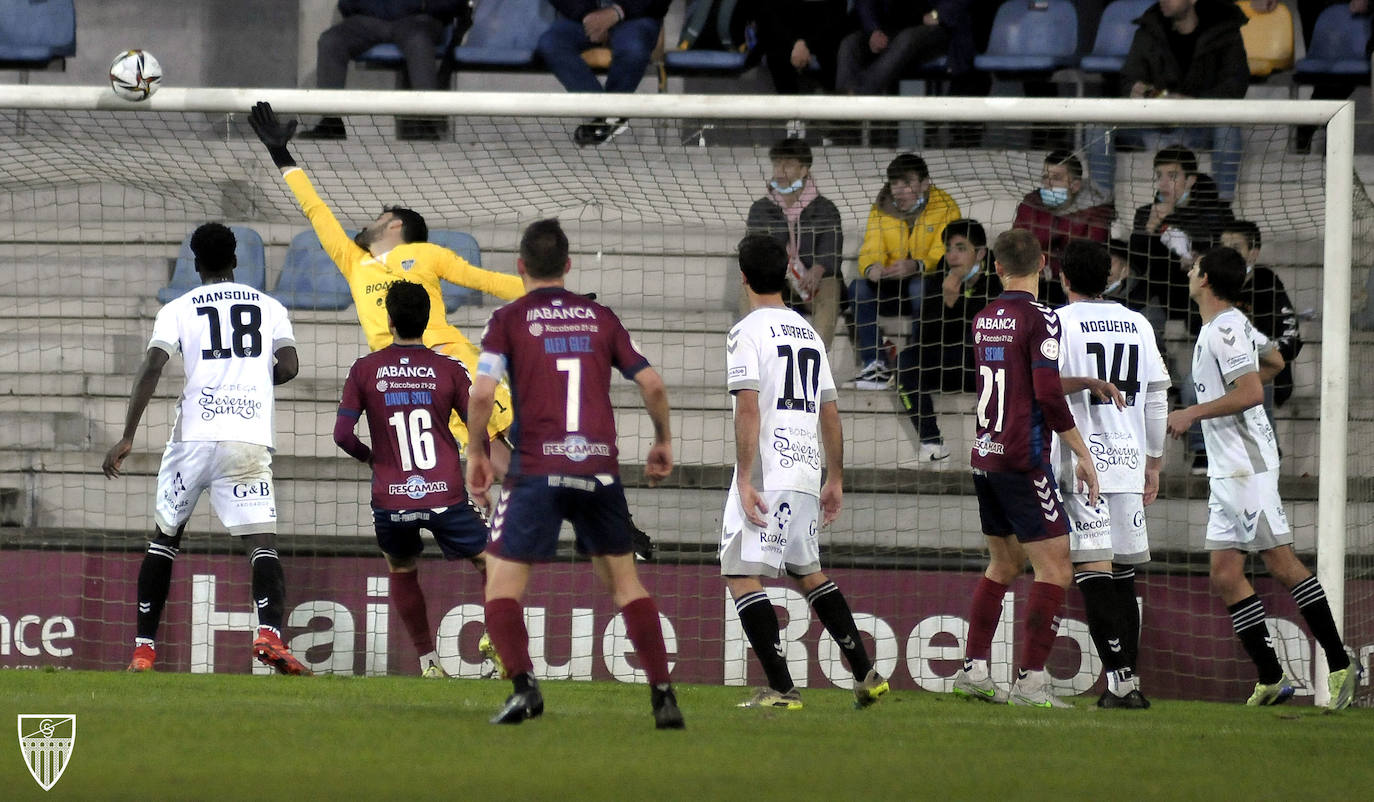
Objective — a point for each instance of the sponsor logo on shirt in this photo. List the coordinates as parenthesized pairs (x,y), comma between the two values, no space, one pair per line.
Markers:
(1049,348)
(416,487)
(985,445)
(234,400)
(735,373)
(794,445)
(576,448)
(1238,360)
(1113,448)
(997,323)
(560,313)
(405,372)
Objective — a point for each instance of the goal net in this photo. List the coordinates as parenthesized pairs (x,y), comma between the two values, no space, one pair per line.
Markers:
(97,197)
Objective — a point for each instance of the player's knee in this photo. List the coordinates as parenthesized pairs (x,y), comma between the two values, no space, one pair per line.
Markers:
(400,565)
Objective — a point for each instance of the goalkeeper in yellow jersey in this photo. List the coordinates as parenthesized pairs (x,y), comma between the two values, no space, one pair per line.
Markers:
(393,248)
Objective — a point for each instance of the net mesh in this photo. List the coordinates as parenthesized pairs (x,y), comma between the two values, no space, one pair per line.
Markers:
(95,205)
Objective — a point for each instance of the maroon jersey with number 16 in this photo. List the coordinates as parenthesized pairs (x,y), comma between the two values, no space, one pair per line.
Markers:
(1020,399)
(409,393)
(559,349)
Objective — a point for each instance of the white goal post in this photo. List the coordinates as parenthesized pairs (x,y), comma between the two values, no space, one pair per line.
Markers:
(1337,119)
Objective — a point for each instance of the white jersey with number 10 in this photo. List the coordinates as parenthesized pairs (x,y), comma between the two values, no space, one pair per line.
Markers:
(775,351)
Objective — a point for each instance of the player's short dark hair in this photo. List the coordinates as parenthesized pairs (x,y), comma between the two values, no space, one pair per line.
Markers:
(1225,271)
(1018,252)
(413,227)
(1086,265)
(407,304)
(907,164)
(214,244)
(968,228)
(1066,158)
(763,261)
(1247,229)
(544,249)
(1177,154)
(791,148)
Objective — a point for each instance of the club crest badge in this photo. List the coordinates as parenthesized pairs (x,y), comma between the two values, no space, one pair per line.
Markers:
(46,741)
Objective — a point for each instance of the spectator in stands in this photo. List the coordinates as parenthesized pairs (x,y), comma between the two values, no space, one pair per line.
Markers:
(793,33)
(940,356)
(902,245)
(1184,220)
(892,36)
(415,26)
(807,224)
(1265,301)
(1181,49)
(1132,291)
(1308,11)
(630,28)
(1065,207)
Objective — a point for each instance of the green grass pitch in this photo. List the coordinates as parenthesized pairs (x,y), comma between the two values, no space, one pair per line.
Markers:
(180,736)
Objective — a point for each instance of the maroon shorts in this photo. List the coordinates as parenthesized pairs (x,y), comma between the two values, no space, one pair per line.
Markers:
(1023,504)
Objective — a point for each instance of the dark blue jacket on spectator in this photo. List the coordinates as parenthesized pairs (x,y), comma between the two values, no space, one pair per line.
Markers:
(891,16)
(577,9)
(444,10)
(1219,68)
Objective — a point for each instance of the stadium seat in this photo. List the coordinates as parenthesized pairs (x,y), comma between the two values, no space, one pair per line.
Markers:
(309,278)
(387,55)
(1337,51)
(1115,32)
(1268,39)
(504,35)
(704,61)
(465,246)
(251,270)
(1037,37)
(36,33)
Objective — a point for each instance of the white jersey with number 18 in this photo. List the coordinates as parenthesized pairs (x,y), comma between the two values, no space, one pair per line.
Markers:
(775,351)
(1105,340)
(227,334)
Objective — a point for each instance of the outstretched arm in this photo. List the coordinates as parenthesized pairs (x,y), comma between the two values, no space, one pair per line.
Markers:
(144,386)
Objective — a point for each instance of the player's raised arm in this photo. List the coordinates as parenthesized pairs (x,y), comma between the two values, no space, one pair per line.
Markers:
(460,271)
(660,461)
(145,384)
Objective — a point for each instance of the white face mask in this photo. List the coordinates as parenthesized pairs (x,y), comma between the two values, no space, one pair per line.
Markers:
(1111,288)
(977,266)
(786,190)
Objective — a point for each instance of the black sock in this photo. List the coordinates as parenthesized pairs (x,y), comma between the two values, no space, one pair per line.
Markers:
(1104,622)
(1123,577)
(269,587)
(1311,599)
(833,611)
(524,682)
(760,622)
(154,580)
(1247,618)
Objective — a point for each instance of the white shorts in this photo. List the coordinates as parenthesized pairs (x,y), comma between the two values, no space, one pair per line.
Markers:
(1113,530)
(1246,513)
(238,476)
(788,544)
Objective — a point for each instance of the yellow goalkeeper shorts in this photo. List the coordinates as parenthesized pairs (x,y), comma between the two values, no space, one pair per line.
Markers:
(502,415)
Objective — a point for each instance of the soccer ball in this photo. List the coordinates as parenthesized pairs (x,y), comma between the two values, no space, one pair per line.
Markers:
(135,75)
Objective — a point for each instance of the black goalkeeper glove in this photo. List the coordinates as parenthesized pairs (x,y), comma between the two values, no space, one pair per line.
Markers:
(273,133)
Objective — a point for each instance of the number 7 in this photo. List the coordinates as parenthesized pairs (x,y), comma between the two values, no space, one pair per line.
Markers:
(573,412)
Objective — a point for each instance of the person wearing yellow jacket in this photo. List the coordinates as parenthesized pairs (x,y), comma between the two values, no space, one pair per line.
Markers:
(392,248)
(902,247)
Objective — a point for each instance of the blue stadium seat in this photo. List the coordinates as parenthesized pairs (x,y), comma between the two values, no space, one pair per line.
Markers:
(1114,34)
(33,33)
(693,61)
(309,278)
(1337,52)
(1039,37)
(387,55)
(504,35)
(465,246)
(251,270)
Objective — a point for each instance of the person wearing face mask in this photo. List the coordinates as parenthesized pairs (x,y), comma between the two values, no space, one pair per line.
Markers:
(1065,208)
(807,224)
(940,357)
(1184,219)
(902,247)
(1265,301)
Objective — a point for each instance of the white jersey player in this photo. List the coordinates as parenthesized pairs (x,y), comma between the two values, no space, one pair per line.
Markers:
(1104,341)
(1231,362)
(236,343)
(787,421)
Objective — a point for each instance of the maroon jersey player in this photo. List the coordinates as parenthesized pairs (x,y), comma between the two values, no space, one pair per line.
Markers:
(1020,403)
(408,393)
(558,349)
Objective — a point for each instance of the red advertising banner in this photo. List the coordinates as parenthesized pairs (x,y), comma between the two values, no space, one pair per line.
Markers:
(77,610)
